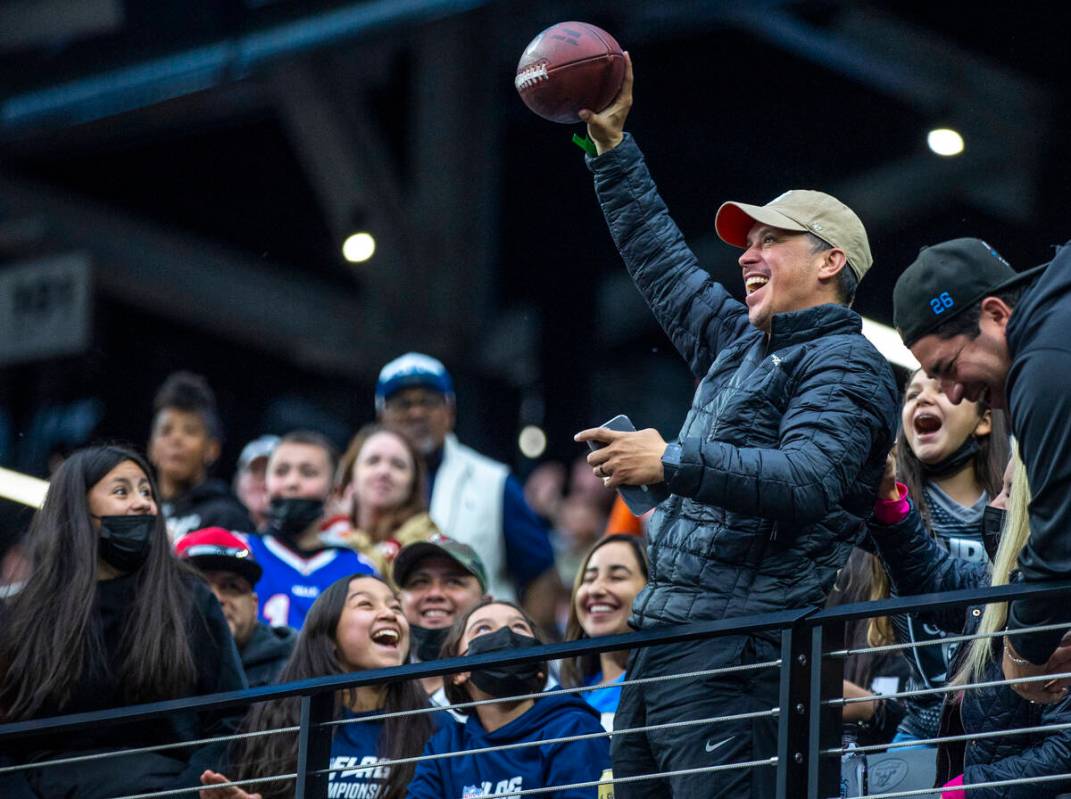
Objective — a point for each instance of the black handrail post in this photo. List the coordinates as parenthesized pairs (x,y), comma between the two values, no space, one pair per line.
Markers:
(825,722)
(793,711)
(314,745)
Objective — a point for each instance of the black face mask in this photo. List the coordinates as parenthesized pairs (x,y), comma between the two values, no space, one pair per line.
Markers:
(291,516)
(514,679)
(427,641)
(992,526)
(125,541)
(954,462)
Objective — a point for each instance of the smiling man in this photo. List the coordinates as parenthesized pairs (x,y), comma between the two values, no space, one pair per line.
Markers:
(988,332)
(472,498)
(231,572)
(774,471)
(439,581)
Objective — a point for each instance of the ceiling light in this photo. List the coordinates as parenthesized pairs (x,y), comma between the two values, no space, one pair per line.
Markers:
(532,441)
(22,488)
(888,343)
(945,141)
(359,247)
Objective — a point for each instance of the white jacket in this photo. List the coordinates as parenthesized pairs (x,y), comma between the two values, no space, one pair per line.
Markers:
(466,504)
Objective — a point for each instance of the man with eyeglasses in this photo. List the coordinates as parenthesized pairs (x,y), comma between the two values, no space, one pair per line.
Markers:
(989,333)
(473,499)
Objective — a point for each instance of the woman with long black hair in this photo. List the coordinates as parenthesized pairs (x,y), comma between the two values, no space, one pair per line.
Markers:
(356,624)
(109,618)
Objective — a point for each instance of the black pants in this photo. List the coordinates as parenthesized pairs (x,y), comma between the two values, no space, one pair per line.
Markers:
(702,744)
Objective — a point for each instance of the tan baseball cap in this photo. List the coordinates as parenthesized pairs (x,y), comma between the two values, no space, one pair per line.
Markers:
(802,210)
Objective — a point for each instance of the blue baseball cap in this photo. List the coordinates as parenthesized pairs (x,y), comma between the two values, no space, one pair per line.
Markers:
(412,370)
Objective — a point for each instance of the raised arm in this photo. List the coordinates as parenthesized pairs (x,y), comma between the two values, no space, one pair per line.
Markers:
(698,314)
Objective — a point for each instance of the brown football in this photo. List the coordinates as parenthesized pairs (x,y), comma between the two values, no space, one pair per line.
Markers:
(569,66)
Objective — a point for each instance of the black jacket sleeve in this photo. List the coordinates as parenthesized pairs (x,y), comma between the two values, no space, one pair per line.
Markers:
(697,313)
(1045,757)
(1041,408)
(917,564)
(835,418)
(219,669)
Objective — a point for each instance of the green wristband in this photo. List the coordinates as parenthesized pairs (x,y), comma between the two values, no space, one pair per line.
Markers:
(585,144)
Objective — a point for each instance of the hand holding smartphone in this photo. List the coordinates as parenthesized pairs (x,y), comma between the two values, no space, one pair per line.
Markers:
(639,499)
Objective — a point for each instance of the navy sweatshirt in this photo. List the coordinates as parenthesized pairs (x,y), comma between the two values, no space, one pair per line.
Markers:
(1038,390)
(490,773)
(355,752)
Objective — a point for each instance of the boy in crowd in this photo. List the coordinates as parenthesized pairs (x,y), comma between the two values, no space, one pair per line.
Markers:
(183,445)
(297,564)
(231,572)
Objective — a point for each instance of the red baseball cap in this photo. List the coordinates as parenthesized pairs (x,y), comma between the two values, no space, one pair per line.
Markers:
(216,549)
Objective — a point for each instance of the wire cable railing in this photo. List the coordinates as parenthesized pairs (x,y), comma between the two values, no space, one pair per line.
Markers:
(810,671)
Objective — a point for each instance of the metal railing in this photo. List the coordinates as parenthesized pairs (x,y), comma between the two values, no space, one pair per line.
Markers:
(808,713)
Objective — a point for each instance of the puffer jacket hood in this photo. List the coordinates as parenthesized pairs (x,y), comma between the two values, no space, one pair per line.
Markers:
(784,446)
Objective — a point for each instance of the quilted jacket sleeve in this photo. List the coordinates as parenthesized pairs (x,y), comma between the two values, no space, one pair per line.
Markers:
(917,564)
(840,412)
(697,313)
(1047,757)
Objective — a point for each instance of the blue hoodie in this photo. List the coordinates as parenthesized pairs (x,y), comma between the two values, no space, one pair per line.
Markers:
(488,773)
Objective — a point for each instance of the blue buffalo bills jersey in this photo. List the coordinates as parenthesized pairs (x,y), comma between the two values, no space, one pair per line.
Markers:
(291,582)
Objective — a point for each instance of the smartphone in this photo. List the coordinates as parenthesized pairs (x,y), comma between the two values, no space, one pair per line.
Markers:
(639,499)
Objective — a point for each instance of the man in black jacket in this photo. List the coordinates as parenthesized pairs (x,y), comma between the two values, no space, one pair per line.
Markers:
(988,332)
(773,473)
(230,571)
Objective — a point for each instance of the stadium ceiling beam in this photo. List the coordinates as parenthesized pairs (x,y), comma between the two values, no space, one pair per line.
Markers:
(154,80)
(201,284)
(431,277)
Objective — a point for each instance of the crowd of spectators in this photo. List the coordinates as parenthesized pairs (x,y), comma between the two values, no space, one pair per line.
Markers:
(340,567)
(789,487)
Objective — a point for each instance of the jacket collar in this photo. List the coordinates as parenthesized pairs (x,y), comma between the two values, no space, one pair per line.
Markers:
(798,327)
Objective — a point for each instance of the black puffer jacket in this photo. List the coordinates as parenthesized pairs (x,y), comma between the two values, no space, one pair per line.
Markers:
(918,565)
(783,448)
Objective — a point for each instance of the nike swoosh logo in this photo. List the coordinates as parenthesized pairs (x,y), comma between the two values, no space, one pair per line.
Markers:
(711,747)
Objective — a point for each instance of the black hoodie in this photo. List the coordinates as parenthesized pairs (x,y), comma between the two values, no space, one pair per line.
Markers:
(1038,391)
(207,504)
(266,652)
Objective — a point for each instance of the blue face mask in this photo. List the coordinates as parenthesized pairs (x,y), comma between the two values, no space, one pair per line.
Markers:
(125,541)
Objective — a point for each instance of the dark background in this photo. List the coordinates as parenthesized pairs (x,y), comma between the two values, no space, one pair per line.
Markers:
(209,156)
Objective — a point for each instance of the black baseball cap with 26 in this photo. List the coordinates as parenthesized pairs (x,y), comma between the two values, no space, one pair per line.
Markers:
(947,279)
